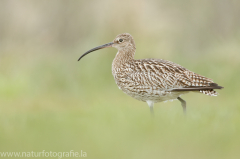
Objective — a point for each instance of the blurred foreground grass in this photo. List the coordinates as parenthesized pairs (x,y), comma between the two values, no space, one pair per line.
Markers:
(52,102)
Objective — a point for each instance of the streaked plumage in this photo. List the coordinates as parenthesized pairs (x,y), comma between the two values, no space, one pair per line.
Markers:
(153,80)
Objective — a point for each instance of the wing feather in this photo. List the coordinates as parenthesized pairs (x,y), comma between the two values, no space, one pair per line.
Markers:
(166,75)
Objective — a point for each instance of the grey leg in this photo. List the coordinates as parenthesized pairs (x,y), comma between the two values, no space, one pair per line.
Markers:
(183,102)
(150,104)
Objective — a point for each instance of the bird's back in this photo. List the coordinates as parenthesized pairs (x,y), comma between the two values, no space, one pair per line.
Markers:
(159,80)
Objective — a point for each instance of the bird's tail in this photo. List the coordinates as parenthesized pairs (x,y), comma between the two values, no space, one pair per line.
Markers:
(211,92)
(208,90)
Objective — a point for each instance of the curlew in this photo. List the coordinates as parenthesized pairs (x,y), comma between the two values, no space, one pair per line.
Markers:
(153,80)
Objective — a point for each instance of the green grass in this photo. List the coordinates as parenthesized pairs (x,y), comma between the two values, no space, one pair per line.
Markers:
(62,105)
(51,102)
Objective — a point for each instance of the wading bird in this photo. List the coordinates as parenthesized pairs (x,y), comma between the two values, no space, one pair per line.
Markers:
(153,80)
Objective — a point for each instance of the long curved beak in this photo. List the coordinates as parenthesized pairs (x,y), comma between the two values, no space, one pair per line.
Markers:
(96,48)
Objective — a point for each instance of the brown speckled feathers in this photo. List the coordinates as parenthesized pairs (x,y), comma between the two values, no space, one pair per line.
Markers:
(164,75)
(153,80)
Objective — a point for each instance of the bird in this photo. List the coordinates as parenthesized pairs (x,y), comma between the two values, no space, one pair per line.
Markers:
(153,80)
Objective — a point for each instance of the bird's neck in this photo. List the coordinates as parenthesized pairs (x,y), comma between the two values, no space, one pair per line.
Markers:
(123,56)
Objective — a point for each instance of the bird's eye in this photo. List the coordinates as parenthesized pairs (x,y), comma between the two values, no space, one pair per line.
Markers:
(120,40)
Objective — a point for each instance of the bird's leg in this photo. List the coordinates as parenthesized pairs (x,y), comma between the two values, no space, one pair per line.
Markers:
(151,110)
(183,102)
(150,104)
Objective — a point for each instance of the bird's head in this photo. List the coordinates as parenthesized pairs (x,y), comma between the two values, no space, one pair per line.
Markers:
(121,42)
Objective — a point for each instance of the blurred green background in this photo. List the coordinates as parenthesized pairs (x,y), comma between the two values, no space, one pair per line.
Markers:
(51,102)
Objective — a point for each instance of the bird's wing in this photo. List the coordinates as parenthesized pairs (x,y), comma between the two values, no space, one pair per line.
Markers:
(166,75)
